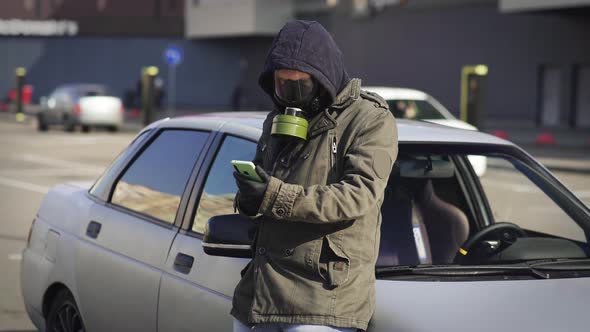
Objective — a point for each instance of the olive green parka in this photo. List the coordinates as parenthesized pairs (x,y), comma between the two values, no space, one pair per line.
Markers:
(319,222)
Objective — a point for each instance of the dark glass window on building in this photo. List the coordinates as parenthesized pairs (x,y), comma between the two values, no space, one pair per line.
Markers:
(154,183)
(583,97)
(550,95)
(220,188)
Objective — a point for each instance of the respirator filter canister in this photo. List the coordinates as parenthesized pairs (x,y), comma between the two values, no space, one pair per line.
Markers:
(291,123)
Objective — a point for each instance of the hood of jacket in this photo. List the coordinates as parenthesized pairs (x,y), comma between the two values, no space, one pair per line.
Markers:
(305,46)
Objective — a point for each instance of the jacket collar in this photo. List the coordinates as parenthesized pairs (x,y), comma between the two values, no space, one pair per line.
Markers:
(327,119)
(350,93)
(322,122)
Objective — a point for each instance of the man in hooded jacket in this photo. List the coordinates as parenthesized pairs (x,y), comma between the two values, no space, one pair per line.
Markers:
(318,206)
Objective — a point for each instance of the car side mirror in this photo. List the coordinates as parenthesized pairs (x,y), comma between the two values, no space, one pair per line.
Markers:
(229,235)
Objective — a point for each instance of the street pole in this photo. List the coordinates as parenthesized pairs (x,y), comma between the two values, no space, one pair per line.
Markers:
(171,89)
(172,57)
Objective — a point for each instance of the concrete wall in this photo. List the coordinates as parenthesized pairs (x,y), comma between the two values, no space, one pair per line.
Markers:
(205,78)
(233,18)
(426,48)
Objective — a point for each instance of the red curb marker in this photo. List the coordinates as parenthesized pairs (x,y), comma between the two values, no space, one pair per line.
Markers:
(545,139)
(500,134)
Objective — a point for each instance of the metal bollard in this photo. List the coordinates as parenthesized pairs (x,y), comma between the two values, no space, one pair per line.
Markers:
(20,74)
(147,93)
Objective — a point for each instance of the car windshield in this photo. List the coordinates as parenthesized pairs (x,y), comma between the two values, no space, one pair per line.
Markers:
(438,211)
(75,92)
(414,109)
(89,91)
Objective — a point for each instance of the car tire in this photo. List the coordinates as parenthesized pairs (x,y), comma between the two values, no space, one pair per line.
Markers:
(113,129)
(64,314)
(41,123)
(69,124)
(85,128)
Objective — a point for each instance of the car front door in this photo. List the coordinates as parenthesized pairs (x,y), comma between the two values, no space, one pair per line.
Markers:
(126,239)
(196,289)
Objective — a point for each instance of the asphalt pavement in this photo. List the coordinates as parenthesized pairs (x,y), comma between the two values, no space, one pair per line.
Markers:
(32,162)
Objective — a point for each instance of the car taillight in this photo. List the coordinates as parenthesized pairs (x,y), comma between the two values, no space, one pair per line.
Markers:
(77,109)
(122,109)
(30,231)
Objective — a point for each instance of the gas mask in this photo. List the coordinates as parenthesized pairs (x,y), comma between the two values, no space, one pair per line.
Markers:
(300,98)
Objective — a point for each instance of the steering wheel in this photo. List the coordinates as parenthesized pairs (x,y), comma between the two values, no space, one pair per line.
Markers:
(503,233)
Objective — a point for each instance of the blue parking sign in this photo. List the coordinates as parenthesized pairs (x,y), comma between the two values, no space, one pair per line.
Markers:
(173,55)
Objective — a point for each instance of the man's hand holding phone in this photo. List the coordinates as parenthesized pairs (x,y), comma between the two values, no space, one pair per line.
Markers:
(252,181)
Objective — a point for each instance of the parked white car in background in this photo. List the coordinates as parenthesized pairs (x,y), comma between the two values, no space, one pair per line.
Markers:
(85,105)
(414,104)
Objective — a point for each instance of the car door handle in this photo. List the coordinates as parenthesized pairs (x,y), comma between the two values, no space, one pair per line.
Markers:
(93,229)
(183,263)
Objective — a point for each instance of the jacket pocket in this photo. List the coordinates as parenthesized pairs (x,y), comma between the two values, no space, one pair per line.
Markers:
(334,265)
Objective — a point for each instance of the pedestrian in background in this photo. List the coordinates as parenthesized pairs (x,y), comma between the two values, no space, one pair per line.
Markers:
(238,96)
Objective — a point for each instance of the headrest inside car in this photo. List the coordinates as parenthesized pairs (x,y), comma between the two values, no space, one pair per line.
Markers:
(424,168)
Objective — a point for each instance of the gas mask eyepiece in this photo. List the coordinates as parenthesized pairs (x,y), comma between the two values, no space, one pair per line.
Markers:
(296,89)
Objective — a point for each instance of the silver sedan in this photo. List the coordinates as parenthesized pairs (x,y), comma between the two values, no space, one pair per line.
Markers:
(506,251)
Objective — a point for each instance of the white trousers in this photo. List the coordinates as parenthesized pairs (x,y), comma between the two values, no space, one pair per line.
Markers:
(239,327)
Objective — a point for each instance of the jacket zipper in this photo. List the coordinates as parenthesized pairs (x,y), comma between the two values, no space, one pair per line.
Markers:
(334,146)
(333,151)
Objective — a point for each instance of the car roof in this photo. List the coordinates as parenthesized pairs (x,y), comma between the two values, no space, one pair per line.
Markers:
(249,125)
(397,93)
(393,93)
(81,86)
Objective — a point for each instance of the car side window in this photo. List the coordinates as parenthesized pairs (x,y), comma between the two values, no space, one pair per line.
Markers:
(61,96)
(100,186)
(513,197)
(154,183)
(220,188)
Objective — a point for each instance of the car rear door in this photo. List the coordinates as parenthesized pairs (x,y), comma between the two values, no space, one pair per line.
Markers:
(197,289)
(127,238)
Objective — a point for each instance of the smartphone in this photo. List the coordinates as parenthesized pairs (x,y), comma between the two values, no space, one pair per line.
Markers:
(246,168)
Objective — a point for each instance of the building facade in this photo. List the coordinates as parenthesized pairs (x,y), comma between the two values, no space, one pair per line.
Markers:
(538,52)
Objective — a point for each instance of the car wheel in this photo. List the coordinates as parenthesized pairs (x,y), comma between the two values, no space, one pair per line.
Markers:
(41,123)
(85,129)
(64,315)
(113,129)
(69,124)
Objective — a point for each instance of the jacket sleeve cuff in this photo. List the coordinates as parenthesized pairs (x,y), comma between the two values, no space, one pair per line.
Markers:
(272,191)
(281,207)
